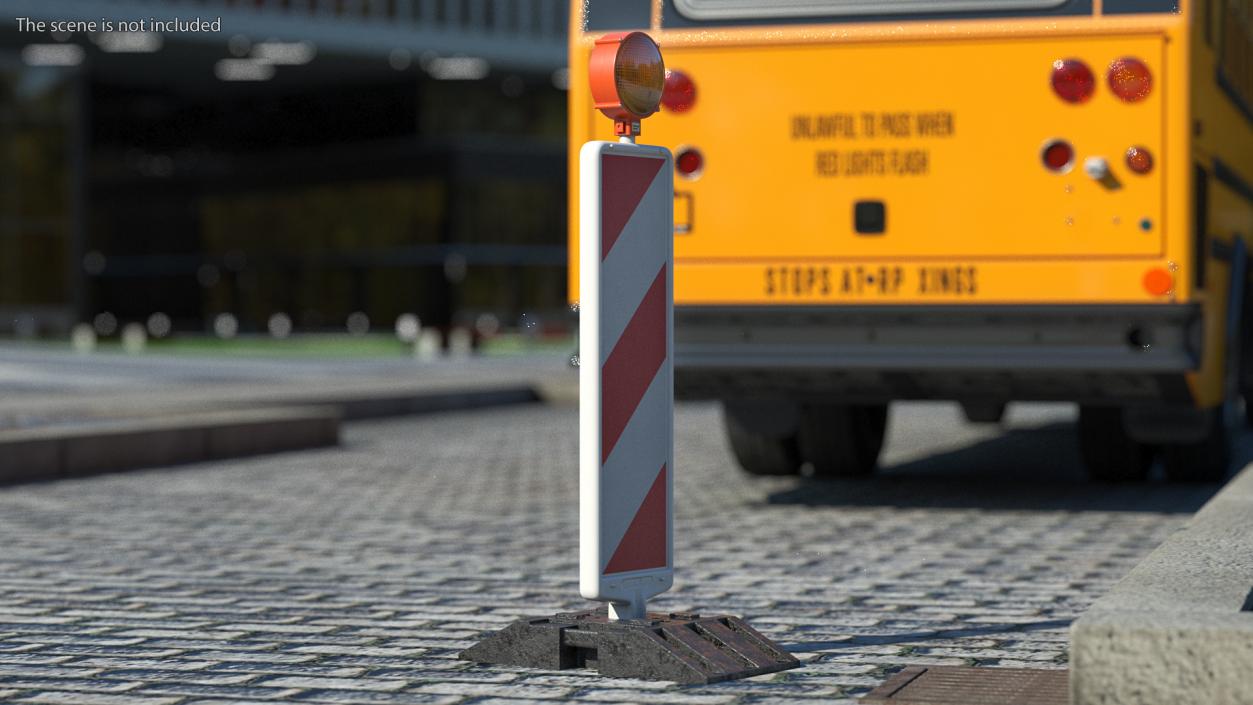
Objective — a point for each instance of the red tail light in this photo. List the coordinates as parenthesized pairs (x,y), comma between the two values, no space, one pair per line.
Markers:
(679,94)
(1073,81)
(689,162)
(1139,160)
(1130,79)
(1058,156)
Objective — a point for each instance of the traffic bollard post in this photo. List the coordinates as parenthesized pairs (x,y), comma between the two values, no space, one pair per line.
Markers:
(626,416)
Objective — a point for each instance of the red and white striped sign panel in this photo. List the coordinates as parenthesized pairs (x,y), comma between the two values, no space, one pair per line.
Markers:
(626,372)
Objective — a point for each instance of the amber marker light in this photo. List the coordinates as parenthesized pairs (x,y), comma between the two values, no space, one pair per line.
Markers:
(1139,160)
(1130,79)
(628,79)
(1158,281)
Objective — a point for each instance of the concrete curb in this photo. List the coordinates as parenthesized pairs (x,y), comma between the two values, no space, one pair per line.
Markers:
(106,446)
(357,398)
(155,426)
(377,406)
(1178,629)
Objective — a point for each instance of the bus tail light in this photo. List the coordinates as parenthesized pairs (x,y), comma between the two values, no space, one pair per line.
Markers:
(1073,81)
(689,162)
(1130,79)
(1139,160)
(679,95)
(1058,156)
(1158,281)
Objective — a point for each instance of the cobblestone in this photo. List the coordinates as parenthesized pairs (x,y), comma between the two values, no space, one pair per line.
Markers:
(355,575)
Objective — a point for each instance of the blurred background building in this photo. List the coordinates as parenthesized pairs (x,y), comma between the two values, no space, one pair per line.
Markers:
(312,157)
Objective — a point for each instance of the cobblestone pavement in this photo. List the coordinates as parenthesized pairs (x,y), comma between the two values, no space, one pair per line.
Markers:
(355,575)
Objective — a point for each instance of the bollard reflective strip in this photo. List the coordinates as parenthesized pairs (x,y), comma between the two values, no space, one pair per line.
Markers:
(626,408)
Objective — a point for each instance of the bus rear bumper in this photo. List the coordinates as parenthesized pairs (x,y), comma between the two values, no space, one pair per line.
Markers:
(1107,353)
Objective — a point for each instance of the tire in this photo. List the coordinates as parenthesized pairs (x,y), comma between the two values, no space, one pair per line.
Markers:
(841,440)
(984,412)
(1245,354)
(759,449)
(1205,460)
(1108,453)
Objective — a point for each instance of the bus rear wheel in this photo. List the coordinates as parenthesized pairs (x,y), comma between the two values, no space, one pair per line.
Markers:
(1108,453)
(1205,460)
(763,437)
(842,440)
(1244,355)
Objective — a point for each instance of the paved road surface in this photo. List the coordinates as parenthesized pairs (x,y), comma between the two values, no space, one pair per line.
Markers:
(354,575)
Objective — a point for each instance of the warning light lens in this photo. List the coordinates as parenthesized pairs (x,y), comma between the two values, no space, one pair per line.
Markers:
(689,162)
(1139,160)
(1130,79)
(1158,282)
(1058,156)
(680,93)
(627,76)
(1073,81)
(639,74)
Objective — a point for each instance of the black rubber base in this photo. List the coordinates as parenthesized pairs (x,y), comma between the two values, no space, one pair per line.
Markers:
(685,648)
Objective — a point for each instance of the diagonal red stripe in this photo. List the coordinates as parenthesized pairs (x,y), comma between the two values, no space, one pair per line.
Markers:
(623,182)
(632,364)
(644,543)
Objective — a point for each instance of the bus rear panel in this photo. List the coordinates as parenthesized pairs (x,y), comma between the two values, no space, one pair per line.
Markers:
(935,203)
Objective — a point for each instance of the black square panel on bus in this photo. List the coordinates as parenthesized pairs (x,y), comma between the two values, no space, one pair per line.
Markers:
(870,217)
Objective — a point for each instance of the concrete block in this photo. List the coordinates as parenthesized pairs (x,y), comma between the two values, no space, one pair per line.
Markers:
(133,445)
(141,431)
(1126,657)
(1177,629)
(24,458)
(107,446)
(376,406)
(273,431)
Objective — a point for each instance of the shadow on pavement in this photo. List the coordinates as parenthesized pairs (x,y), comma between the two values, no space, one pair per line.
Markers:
(861,640)
(1033,469)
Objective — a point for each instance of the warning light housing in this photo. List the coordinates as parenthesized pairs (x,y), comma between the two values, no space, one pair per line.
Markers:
(1130,79)
(1073,81)
(627,78)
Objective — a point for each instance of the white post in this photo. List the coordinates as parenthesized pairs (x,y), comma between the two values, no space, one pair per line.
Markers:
(626,379)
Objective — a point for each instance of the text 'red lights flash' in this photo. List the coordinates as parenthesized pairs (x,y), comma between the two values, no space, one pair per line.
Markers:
(1139,160)
(1130,79)
(1073,81)
(628,78)
(680,93)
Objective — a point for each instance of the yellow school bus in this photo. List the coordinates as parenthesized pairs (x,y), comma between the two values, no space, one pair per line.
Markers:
(976,200)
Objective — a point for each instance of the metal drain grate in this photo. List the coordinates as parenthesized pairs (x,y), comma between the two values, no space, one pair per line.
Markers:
(960,685)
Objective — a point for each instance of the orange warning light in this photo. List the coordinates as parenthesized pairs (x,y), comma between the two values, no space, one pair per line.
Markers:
(1158,282)
(628,78)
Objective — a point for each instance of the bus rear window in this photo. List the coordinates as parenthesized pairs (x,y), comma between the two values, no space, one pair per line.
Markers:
(755,9)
